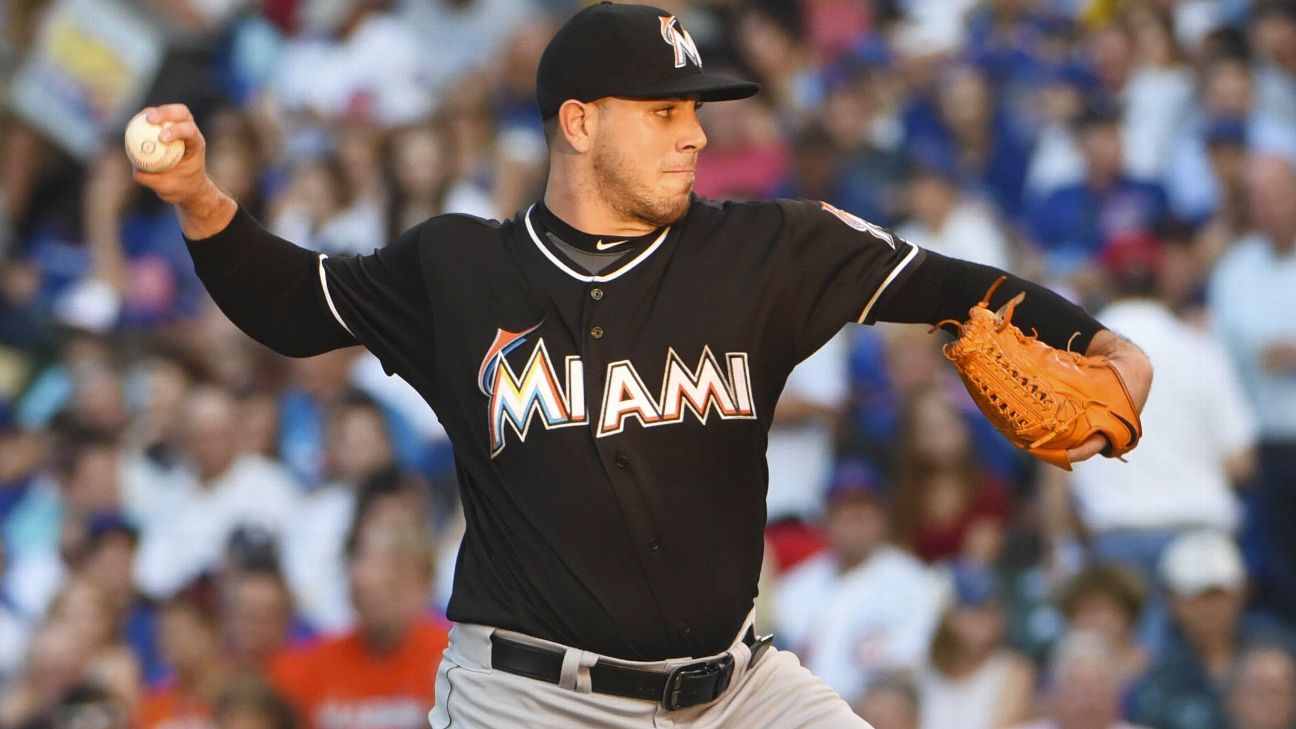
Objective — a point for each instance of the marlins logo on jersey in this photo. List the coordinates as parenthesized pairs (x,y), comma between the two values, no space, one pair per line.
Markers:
(517,397)
(679,39)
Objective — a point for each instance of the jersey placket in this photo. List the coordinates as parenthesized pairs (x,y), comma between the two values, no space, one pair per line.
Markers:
(599,346)
(604,304)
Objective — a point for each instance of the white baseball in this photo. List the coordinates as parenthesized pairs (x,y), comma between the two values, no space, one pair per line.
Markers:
(146,151)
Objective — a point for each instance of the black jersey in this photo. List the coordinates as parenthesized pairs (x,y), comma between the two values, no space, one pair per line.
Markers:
(610,429)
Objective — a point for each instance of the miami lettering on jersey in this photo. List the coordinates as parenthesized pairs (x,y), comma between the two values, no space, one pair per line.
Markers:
(517,398)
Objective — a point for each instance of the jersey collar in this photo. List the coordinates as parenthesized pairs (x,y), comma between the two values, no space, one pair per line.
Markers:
(616,270)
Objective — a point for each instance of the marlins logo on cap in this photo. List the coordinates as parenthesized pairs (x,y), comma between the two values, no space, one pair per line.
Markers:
(679,39)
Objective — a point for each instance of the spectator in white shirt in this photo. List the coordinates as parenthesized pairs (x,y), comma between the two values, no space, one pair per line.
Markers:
(1158,95)
(353,62)
(1197,186)
(224,489)
(314,549)
(420,162)
(945,219)
(459,37)
(974,680)
(1275,39)
(801,446)
(1056,160)
(320,208)
(83,479)
(863,606)
(1199,434)
(1252,294)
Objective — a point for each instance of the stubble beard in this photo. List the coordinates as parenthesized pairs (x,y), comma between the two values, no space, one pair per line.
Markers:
(614,178)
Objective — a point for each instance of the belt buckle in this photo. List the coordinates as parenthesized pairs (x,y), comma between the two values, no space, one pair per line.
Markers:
(700,670)
(759,646)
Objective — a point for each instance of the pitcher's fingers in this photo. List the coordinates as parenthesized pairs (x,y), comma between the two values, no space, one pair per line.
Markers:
(1088,449)
(153,179)
(186,130)
(148,179)
(168,112)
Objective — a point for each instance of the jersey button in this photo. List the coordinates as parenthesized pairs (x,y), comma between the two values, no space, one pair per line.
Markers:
(621,461)
(596,293)
(597,332)
(686,628)
(653,545)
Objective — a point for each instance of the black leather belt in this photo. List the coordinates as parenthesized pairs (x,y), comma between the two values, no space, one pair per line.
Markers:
(688,685)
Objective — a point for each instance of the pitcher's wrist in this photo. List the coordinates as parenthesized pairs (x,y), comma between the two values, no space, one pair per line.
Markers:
(206,214)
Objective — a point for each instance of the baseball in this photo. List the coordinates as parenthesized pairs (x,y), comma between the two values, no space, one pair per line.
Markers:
(146,151)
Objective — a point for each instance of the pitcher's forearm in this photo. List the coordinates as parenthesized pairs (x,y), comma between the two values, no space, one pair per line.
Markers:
(207,213)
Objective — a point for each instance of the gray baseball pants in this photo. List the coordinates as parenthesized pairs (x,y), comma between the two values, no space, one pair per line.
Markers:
(775,693)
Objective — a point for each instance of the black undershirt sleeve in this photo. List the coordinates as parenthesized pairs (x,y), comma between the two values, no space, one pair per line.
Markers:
(268,287)
(945,288)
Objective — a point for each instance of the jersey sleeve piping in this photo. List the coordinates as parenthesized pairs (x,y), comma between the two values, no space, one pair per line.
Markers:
(328,298)
(904,262)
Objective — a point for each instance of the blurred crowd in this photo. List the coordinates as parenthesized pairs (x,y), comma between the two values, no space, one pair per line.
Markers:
(200,533)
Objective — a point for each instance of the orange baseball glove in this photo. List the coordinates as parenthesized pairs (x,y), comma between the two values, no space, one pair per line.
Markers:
(1044,400)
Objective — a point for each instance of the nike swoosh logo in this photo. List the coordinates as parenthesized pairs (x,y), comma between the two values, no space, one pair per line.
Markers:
(604,246)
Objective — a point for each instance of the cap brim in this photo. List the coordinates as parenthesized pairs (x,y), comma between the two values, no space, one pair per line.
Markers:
(1194,587)
(703,86)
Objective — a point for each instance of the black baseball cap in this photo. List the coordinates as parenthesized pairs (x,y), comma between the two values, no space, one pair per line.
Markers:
(632,51)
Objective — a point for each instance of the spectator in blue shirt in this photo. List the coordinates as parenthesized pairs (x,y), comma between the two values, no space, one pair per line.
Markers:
(965,122)
(1072,224)
(1017,44)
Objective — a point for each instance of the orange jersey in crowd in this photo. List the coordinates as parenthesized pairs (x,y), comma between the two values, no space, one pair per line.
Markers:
(172,708)
(338,683)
